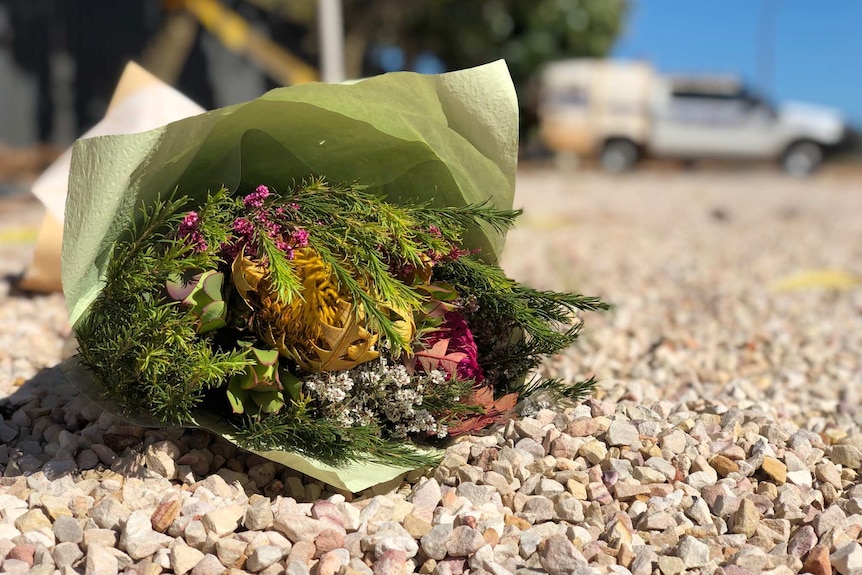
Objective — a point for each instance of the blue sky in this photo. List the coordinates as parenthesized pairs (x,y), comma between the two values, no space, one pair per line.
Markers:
(816,45)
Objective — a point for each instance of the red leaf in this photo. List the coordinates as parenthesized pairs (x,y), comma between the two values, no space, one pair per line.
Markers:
(437,357)
(495,411)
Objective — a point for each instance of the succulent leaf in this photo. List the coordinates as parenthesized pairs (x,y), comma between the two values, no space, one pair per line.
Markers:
(291,384)
(201,294)
(265,357)
(260,389)
(268,401)
(237,396)
(213,316)
(179,286)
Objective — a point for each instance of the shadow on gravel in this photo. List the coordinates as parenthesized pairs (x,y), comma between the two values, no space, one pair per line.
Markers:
(50,430)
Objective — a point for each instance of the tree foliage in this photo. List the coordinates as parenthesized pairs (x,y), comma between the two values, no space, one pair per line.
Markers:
(465,33)
(525,33)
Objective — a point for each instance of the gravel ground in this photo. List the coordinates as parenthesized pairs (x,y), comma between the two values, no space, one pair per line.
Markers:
(724,437)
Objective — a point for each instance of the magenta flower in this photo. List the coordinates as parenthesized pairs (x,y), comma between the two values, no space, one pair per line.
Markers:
(273,229)
(460,337)
(244,241)
(457,252)
(189,224)
(190,230)
(256,198)
(300,238)
(229,251)
(243,227)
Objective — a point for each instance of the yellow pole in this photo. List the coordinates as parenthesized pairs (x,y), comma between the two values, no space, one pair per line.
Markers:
(236,34)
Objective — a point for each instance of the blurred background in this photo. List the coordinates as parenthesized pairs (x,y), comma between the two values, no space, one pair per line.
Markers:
(728,264)
(616,84)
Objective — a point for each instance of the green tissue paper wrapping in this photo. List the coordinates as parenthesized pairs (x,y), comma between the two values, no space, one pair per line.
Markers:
(449,139)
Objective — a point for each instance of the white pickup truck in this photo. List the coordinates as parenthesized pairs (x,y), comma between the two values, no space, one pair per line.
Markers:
(623,111)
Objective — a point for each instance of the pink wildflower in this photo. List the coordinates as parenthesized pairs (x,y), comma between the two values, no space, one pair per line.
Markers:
(273,229)
(300,238)
(189,224)
(244,241)
(457,252)
(434,256)
(229,251)
(243,227)
(190,230)
(256,198)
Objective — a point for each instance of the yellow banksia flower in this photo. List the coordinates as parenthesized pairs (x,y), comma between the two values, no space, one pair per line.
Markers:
(321,329)
(319,302)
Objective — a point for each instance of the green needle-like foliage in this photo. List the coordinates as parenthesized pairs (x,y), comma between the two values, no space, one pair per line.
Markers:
(143,346)
(299,431)
(281,272)
(357,233)
(541,323)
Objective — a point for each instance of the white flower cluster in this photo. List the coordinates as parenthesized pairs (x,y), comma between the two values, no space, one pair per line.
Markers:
(378,390)
(330,387)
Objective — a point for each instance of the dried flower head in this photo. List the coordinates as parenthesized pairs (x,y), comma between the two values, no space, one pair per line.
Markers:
(321,330)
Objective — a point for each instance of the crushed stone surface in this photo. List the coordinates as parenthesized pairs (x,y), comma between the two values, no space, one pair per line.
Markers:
(724,436)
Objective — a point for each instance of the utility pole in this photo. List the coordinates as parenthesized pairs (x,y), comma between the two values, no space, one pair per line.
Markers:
(331,29)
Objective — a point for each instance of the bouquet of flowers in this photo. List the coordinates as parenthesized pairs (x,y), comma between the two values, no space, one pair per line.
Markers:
(340,322)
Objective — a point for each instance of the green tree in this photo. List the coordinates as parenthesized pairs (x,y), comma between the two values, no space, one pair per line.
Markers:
(526,33)
(464,33)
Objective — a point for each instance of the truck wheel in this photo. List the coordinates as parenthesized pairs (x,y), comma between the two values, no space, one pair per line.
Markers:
(618,156)
(802,159)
